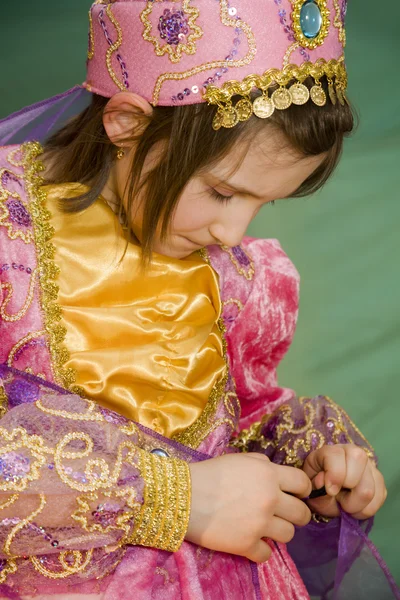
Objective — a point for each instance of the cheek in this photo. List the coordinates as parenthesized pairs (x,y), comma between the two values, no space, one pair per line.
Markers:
(193,213)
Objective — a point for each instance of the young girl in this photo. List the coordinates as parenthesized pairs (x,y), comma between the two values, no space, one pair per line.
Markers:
(147,450)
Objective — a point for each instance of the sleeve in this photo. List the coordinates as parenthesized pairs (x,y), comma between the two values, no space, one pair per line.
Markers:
(263,330)
(75,478)
(274,420)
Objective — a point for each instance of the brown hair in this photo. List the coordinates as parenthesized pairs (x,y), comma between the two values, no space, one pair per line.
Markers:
(81,152)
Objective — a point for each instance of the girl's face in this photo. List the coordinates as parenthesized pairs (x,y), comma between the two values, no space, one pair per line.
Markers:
(218,204)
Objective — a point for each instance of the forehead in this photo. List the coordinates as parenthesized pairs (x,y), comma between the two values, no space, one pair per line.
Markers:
(268,162)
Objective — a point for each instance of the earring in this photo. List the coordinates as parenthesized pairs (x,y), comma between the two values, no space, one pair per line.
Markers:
(120,153)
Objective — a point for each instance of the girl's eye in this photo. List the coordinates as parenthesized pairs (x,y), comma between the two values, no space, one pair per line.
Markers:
(219,197)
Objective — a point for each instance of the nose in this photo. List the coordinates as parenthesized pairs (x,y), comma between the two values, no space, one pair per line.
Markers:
(228,235)
(231,230)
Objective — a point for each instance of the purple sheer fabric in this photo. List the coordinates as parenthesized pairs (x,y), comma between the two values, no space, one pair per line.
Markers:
(336,560)
(38,121)
(341,562)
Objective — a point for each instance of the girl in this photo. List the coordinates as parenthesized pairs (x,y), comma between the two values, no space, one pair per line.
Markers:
(147,450)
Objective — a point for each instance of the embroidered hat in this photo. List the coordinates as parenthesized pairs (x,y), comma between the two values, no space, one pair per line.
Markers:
(219,51)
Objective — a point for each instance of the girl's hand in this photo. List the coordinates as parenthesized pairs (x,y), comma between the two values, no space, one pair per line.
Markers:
(238,499)
(350,478)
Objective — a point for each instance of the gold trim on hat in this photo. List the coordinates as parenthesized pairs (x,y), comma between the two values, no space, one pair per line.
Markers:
(263,107)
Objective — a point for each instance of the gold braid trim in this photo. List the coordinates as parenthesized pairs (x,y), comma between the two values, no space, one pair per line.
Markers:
(264,106)
(48,270)
(164,516)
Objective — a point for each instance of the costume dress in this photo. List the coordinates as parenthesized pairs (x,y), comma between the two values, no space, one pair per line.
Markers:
(113,380)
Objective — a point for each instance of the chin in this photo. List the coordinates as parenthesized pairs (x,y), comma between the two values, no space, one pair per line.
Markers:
(172,252)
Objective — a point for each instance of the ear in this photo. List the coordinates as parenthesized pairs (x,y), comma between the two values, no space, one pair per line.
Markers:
(122,115)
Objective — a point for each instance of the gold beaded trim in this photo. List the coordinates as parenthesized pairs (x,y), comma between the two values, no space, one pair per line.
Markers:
(304,41)
(174,54)
(48,270)
(164,516)
(283,97)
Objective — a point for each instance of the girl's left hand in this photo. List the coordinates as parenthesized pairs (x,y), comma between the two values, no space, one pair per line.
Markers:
(350,478)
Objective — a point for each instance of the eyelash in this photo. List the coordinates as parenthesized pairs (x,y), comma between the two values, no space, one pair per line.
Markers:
(225,199)
(219,197)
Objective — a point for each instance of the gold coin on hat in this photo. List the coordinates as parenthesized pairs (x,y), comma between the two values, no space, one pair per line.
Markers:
(332,93)
(229,117)
(339,94)
(244,109)
(218,119)
(318,95)
(281,98)
(300,93)
(263,107)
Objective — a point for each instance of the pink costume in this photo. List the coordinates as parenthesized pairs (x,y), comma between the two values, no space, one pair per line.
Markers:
(96,504)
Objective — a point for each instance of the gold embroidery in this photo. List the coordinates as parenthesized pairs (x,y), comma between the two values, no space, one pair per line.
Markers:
(339,24)
(48,270)
(167,492)
(289,52)
(88,503)
(230,398)
(167,577)
(23,524)
(91,414)
(3,401)
(22,312)
(9,568)
(304,41)
(113,48)
(236,23)
(311,438)
(79,565)
(18,439)
(13,498)
(247,272)
(90,53)
(5,220)
(235,301)
(245,436)
(174,53)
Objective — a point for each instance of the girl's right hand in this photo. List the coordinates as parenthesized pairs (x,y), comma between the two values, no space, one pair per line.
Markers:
(238,499)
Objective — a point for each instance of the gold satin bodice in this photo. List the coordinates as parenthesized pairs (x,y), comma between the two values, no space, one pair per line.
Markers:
(143,343)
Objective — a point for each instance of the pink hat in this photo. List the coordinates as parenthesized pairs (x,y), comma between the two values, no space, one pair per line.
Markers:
(191,51)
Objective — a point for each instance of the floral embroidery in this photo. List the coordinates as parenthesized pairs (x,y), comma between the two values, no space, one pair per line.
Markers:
(14,214)
(242,261)
(217,64)
(176,27)
(12,318)
(295,429)
(17,469)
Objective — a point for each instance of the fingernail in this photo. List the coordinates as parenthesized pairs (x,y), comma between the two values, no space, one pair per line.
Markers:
(333,489)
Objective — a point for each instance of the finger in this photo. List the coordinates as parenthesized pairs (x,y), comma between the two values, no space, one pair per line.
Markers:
(356,464)
(357,499)
(293,480)
(332,460)
(293,510)
(280,530)
(260,552)
(380,496)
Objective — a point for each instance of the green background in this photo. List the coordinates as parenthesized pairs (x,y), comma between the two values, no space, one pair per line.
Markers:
(344,241)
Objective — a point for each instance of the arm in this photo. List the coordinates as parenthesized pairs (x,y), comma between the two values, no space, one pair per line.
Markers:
(75,477)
